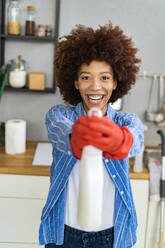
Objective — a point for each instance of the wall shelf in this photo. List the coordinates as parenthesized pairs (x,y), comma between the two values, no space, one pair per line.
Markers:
(26,89)
(4,37)
(31,38)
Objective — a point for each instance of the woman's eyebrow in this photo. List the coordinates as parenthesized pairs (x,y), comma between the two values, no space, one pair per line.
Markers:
(84,72)
(106,72)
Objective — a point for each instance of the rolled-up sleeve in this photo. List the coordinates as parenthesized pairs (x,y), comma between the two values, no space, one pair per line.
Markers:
(59,127)
(135,126)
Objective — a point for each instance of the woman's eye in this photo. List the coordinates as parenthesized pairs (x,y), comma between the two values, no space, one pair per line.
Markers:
(85,78)
(105,78)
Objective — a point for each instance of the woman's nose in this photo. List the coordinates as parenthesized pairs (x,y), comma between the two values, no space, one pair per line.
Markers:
(96,84)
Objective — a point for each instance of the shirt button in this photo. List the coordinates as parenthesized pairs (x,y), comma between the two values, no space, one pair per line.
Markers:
(114,176)
(69,153)
(121,192)
(106,160)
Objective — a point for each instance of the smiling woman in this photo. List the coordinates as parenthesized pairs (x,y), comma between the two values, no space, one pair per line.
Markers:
(107,44)
(95,83)
(93,68)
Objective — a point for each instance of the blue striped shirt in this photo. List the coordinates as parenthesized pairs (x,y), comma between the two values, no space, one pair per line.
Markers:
(59,121)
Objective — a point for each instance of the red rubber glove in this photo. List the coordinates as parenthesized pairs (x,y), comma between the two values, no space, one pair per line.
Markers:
(78,140)
(115,141)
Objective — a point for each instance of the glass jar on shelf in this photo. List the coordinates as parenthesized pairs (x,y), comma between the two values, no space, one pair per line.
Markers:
(41,30)
(48,31)
(30,21)
(13,18)
(17,75)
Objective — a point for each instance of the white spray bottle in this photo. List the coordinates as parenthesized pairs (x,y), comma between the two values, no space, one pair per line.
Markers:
(91,185)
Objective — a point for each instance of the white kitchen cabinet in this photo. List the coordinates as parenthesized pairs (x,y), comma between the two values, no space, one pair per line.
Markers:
(153,225)
(24,186)
(22,199)
(140,190)
(20,218)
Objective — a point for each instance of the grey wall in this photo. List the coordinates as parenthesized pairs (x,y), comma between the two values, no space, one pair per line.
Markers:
(142,20)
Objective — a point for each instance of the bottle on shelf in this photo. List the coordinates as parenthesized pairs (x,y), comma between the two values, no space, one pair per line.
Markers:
(41,30)
(48,31)
(30,21)
(13,18)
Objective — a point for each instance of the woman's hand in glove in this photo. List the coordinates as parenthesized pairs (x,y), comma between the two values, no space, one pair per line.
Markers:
(78,140)
(115,141)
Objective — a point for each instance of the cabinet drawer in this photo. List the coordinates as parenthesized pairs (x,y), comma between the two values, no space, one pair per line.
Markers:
(24,186)
(17,245)
(20,220)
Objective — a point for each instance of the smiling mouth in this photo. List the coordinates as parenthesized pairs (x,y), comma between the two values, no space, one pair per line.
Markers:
(95,98)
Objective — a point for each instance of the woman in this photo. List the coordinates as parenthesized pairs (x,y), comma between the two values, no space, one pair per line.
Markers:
(93,68)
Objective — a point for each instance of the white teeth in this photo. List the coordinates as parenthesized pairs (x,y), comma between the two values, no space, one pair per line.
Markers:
(95,97)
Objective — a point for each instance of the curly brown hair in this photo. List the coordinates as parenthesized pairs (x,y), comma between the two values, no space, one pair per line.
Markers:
(83,45)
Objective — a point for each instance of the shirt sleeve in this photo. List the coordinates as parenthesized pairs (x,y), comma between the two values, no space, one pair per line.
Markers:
(135,126)
(59,126)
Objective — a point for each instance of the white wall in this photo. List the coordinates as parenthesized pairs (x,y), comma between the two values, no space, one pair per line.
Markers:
(142,20)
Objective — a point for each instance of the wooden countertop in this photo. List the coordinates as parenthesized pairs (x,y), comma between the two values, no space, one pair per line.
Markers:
(21,164)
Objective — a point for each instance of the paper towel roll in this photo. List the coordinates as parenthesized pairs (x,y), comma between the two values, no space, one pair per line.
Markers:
(15,136)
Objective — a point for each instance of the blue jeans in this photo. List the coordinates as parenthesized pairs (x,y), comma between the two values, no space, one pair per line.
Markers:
(74,238)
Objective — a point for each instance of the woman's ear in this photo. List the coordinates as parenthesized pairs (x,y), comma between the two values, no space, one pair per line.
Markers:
(76,84)
(114,84)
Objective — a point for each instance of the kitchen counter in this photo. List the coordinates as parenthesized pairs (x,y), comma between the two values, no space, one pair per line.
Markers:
(21,164)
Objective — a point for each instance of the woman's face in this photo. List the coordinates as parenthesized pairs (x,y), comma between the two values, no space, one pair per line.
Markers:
(95,83)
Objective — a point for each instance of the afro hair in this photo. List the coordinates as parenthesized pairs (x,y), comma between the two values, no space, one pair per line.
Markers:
(83,45)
